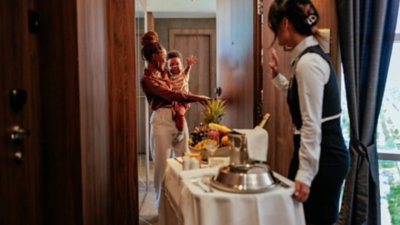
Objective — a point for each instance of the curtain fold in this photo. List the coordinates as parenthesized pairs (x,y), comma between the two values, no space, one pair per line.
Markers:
(366,33)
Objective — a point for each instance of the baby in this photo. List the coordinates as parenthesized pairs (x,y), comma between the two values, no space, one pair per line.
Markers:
(180,81)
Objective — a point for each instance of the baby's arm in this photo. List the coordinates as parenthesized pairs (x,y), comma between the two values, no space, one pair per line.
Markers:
(191,60)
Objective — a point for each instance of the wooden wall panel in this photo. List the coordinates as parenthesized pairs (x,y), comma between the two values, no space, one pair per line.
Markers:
(88,94)
(163,26)
(122,112)
(327,12)
(235,60)
(280,126)
(93,95)
(150,21)
(60,115)
(274,102)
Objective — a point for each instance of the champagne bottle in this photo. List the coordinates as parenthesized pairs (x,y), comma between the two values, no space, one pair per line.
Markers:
(264,120)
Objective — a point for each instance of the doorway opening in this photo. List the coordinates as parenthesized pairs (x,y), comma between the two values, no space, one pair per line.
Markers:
(189,28)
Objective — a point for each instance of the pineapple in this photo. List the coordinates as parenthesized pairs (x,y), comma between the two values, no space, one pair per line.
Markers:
(213,111)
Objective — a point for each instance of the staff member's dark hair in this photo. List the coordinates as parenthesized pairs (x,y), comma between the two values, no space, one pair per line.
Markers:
(301,13)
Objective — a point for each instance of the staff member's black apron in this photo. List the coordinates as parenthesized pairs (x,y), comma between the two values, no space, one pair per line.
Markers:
(322,205)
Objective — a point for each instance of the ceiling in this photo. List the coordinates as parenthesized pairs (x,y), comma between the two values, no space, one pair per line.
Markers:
(182,8)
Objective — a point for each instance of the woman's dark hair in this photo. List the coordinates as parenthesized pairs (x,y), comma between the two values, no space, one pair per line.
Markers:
(150,45)
(301,13)
(174,54)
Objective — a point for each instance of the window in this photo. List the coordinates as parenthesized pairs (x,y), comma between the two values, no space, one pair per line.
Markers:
(388,138)
(388,133)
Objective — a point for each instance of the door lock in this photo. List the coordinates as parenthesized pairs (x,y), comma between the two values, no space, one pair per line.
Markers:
(18,133)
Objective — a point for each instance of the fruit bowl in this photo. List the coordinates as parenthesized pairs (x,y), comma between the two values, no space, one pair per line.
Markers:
(222,151)
(202,151)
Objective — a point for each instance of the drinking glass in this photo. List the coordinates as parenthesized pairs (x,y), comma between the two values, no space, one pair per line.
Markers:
(211,141)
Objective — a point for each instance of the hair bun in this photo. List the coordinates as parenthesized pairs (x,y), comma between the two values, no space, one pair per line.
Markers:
(149,37)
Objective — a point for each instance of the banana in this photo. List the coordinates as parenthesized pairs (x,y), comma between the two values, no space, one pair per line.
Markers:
(219,127)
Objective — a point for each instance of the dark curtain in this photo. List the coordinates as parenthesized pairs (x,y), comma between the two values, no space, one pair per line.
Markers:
(366,30)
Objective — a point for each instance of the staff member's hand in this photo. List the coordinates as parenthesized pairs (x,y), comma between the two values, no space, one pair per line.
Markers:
(274,63)
(301,191)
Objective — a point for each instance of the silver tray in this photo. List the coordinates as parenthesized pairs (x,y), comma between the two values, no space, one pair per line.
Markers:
(245,178)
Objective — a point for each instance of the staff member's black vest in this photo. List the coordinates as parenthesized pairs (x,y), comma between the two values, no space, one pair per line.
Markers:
(331,102)
(322,204)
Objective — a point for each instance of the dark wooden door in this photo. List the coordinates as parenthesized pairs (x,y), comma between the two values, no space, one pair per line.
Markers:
(20,183)
(201,43)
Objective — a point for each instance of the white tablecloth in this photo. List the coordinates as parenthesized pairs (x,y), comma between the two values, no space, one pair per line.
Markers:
(184,203)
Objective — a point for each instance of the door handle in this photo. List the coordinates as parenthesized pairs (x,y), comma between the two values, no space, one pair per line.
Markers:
(18,133)
(218,91)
